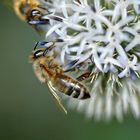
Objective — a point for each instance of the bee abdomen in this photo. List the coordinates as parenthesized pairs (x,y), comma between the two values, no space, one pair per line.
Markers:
(72,87)
(79,92)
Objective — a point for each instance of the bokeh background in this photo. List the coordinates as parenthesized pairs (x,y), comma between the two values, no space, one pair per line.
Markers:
(27,111)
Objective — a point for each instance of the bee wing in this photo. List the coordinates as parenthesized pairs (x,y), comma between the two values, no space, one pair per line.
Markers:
(70,66)
(56,98)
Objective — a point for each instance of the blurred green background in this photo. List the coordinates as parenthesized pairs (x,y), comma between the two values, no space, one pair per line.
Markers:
(27,111)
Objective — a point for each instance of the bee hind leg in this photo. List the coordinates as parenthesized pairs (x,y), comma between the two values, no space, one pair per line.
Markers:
(56,98)
(85,75)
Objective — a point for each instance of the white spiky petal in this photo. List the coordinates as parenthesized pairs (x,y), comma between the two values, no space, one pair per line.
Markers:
(107,32)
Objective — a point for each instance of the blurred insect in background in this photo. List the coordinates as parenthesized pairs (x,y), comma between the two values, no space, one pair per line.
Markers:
(32,12)
(22,7)
(50,71)
(36,15)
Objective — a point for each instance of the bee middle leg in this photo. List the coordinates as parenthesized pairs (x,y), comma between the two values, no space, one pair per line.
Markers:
(71,67)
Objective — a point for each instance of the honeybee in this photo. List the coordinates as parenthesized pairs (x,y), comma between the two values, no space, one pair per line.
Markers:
(22,7)
(30,11)
(49,71)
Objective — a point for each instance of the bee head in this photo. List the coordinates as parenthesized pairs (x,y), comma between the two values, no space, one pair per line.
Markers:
(38,53)
(41,52)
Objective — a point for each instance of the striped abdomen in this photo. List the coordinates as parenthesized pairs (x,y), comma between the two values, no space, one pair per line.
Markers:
(71,87)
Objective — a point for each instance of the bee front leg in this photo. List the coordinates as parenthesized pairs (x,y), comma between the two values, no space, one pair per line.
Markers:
(38,22)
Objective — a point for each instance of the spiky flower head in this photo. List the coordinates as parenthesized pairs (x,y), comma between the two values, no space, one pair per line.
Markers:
(104,37)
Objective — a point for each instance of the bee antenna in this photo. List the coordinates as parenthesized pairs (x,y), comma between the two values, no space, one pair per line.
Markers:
(48,48)
(41,43)
(36,45)
(45,51)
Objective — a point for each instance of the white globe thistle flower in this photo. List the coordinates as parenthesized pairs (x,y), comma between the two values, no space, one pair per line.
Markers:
(104,37)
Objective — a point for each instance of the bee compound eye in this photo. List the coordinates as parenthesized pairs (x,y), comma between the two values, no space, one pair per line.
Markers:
(38,53)
(35,12)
